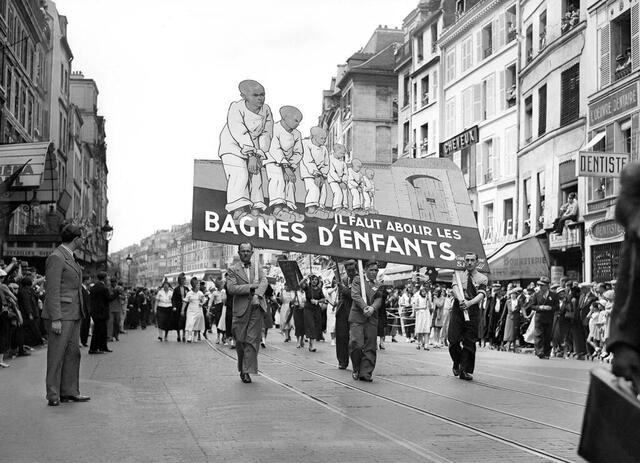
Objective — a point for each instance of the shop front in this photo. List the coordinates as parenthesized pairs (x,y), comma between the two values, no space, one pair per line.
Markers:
(565,251)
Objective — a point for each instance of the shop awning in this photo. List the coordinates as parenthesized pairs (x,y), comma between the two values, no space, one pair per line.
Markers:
(520,260)
(39,178)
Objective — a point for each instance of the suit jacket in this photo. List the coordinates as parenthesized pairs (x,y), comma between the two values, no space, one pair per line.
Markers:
(115,306)
(86,302)
(550,299)
(584,305)
(344,296)
(176,297)
(27,302)
(100,298)
(63,296)
(357,308)
(238,287)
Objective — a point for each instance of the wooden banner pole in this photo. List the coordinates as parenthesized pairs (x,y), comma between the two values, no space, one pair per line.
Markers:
(362,287)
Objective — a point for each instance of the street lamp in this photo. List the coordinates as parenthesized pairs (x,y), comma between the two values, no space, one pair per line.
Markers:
(107,234)
(129,259)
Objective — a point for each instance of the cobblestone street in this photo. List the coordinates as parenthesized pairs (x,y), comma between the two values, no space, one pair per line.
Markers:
(170,402)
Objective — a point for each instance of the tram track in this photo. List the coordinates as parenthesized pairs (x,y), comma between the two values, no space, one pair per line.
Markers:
(549,456)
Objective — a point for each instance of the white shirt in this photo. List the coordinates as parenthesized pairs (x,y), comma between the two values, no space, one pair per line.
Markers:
(246,129)
(354,178)
(164,298)
(286,147)
(315,160)
(337,168)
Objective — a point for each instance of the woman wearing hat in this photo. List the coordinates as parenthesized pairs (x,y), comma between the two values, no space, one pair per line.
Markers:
(164,310)
(312,310)
(512,323)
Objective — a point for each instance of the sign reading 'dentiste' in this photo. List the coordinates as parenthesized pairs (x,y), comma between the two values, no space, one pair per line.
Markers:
(601,164)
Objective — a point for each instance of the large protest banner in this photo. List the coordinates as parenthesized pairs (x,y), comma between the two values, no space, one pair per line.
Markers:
(423,216)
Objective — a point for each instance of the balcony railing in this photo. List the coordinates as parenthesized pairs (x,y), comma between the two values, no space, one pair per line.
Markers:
(569,21)
(487,52)
(488,176)
(623,67)
(425,99)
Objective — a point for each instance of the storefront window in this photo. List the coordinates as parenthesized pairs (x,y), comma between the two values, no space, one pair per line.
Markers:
(605,187)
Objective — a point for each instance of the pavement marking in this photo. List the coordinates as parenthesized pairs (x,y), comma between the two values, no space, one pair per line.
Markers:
(418,450)
(497,438)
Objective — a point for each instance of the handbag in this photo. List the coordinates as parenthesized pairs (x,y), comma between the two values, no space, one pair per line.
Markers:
(221,323)
(528,335)
(611,421)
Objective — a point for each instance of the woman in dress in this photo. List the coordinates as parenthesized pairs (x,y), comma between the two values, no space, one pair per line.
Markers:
(297,306)
(164,310)
(512,322)
(192,310)
(331,295)
(420,304)
(312,310)
(446,316)
(437,316)
(215,307)
(287,298)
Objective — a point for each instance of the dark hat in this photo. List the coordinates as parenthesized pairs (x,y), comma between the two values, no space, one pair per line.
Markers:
(554,286)
(544,280)
(496,285)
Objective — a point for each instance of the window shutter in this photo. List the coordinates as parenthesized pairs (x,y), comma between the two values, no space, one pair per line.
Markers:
(635,33)
(478,47)
(480,154)
(608,144)
(434,87)
(477,102)
(494,35)
(496,158)
(502,96)
(635,133)
(490,99)
(605,58)
(467,107)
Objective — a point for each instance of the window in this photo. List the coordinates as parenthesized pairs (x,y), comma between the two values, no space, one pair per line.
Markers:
(9,87)
(464,161)
(507,213)
(467,53)
(510,18)
(487,40)
(3,9)
(570,15)
(510,85)
(16,98)
(434,37)
(29,125)
(621,44)
(467,108)
(424,88)
(460,8)
(542,30)
(346,105)
(529,43)
(415,96)
(405,88)
(424,140)
(487,161)
(450,65)
(528,118)
(23,105)
(488,97)
(570,95)
(625,131)
(420,47)
(542,110)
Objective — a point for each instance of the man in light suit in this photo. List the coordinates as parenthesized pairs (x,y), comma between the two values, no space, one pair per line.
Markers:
(62,312)
(363,323)
(247,287)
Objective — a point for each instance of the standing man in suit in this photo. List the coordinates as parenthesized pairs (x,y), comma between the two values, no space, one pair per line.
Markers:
(247,288)
(86,322)
(343,309)
(363,323)
(100,299)
(465,317)
(545,304)
(115,310)
(62,312)
(587,297)
(177,298)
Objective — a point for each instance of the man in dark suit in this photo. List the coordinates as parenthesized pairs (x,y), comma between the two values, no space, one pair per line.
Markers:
(545,304)
(63,310)
(86,322)
(100,298)
(115,310)
(247,286)
(343,309)
(177,297)
(363,323)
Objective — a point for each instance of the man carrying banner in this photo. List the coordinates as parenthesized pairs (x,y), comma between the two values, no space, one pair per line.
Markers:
(243,142)
(469,289)
(343,309)
(363,323)
(247,286)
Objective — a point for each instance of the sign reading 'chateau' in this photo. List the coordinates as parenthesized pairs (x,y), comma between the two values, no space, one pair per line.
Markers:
(461,141)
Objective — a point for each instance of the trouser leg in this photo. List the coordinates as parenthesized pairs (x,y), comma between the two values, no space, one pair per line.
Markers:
(454,337)
(337,195)
(276,185)
(342,338)
(356,344)
(70,380)
(84,330)
(368,361)
(235,169)
(579,343)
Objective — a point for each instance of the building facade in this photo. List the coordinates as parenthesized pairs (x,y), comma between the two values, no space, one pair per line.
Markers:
(613,31)
(478,65)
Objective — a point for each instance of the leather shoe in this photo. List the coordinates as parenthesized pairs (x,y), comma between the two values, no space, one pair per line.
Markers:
(456,370)
(53,403)
(95,352)
(368,379)
(75,398)
(107,350)
(466,376)
(342,367)
(245,378)
(355,374)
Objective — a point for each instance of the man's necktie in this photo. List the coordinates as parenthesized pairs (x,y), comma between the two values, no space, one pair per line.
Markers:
(471,289)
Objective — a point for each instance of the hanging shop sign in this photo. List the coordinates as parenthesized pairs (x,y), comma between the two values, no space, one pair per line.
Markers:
(459,142)
(601,164)
(617,103)
(606,229)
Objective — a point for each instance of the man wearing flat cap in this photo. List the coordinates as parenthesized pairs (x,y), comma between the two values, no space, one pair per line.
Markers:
(545,304)
(62,312)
